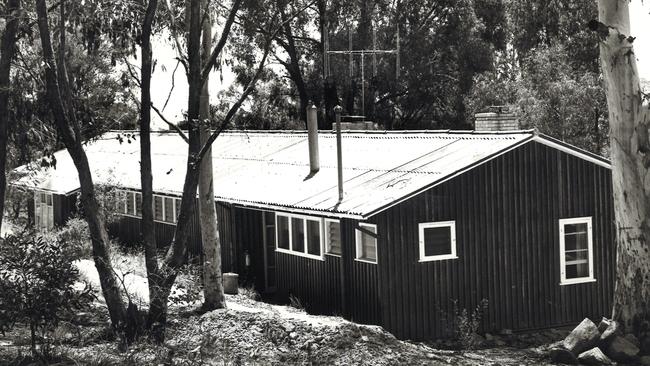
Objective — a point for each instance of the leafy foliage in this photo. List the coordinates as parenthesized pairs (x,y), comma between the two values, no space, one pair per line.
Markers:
(37,284)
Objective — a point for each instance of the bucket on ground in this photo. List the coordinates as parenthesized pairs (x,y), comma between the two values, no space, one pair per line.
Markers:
(230,283)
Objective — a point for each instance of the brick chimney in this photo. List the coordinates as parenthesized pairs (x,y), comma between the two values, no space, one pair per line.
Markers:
(496,118)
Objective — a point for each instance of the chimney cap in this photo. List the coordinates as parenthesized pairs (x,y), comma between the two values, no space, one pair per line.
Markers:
(338,109)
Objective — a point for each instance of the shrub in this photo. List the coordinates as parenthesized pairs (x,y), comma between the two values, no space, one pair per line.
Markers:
(76,237)
(467,324)
(37,285)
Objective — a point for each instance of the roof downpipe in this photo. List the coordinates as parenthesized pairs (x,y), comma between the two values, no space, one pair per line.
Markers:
(312,138)
(339,152)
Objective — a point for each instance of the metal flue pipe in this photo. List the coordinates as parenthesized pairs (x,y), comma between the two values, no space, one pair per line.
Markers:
(312,138)
(339,151)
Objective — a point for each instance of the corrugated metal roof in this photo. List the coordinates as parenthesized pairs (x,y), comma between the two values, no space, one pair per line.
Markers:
(271,169)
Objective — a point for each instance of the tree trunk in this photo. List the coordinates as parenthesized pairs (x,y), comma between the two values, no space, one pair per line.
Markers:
(7,51)
(630,153)
(293,66)
(91,209)
(176,254)
(212,278)
(146,179)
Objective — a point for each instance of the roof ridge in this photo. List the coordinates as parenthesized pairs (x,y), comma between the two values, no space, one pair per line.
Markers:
(353,132)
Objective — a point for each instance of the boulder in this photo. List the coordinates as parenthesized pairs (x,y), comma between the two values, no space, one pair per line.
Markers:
(611,331)
(604,324)
(645,360)
(632,339)
(594,357)
(583,337)
(560,354)
(622,350)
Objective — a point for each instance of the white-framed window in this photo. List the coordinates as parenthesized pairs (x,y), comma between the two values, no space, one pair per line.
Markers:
(43,210)
(300,235)
(332,237)
(437,240)
(366,243)
(164,209)
(576,251)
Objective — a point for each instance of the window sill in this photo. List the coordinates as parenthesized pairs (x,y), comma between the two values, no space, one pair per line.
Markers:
(365,260)
(333,255)
(299,254)
(577,281)
(437,258)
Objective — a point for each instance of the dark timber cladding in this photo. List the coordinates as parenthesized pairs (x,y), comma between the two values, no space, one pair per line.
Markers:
(507,238)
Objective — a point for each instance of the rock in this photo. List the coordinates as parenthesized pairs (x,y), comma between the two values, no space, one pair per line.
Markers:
(645,361)
(612,330)
(288,327)
(583,337)
(632,339)
(594,357)
(293,335)
(489,337)
(364,338)
(506,332)
(604,324)
(622,350)
(562,355)
(499,343)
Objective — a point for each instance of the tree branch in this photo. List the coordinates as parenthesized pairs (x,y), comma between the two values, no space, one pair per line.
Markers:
(222,42)
(171,124)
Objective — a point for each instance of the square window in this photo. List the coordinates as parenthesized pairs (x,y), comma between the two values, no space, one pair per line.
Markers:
(313,237)
(282,231)
(437,240)
(298,234)
(576,251)
(158,208)
(169,209)
(138,204)
(333,237)
(367,243)
(130,203)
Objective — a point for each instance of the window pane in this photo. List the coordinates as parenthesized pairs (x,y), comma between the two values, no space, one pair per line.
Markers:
(313,237)
(297,234)
(283,232)
(129,203)
(43,198)
(49,199)
(575,236)
(334,237)
(178,207)
(437,241)
(157,208)
(138,204)
(169,209)
(368,245)
(577,270)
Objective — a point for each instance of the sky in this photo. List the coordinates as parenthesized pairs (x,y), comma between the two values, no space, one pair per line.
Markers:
(165,56)
(640,24)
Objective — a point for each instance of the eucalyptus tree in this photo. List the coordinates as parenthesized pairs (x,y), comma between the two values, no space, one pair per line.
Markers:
(13,11)
(629,120)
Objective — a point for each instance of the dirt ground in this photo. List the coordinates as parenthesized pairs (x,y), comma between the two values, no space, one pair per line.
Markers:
(254,332)
(251,332)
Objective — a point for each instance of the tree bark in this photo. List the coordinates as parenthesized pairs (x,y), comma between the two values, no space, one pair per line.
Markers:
(212,277)
(630,152)
(7,52)
(146,178)
(176,254)
(91,208)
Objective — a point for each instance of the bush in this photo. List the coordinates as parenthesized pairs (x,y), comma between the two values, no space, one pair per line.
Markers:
(76,237)
(467,324)
(37,285)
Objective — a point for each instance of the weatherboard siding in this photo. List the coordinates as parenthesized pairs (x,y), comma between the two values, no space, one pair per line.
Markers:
(507,238)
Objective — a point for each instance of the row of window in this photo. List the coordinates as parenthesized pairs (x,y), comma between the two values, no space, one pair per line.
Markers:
(165,209)
(309,236)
